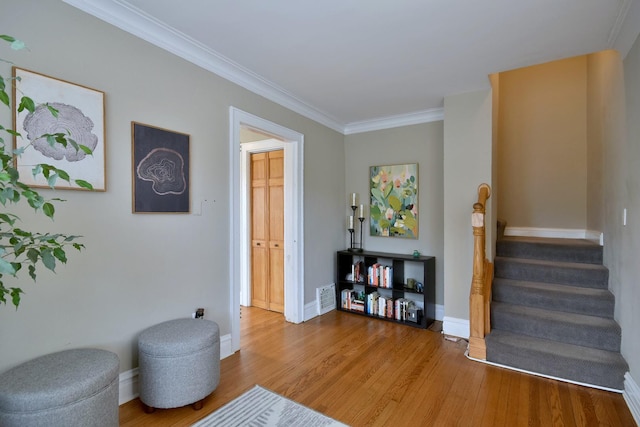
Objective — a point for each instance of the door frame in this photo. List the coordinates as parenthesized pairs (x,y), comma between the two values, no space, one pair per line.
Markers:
(293,221)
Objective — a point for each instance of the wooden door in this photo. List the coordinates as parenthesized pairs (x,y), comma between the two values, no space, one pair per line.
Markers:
(267,230)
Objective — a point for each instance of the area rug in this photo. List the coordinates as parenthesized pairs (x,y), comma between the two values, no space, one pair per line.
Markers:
(260,407)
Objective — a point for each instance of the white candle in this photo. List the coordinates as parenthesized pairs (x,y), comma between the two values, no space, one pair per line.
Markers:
(353,199)
(350,221)
(361,211)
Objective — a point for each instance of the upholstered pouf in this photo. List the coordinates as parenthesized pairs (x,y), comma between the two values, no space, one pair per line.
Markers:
(179,363)
(77,387)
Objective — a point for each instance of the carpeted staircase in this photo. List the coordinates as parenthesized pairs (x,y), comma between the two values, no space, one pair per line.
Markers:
(552,313)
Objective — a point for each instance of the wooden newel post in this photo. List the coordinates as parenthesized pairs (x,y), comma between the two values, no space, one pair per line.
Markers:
(477,312)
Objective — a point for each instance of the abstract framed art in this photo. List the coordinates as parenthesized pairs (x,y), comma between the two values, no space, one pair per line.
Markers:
(394,200)
(160,170)
(79,115)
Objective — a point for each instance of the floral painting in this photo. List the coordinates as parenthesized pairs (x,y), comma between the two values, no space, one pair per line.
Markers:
(394,200)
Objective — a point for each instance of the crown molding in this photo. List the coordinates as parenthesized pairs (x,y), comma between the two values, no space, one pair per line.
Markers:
(128,18)
(626,28)
(425,116)
(132,20)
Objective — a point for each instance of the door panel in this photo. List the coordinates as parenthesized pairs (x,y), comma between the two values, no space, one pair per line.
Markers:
(267,230)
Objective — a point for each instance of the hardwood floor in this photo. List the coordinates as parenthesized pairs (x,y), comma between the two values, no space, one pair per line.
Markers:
(367,372)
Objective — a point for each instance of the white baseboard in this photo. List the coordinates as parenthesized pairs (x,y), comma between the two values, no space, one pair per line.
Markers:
(455,327)
(631,395)
(310,310)
(226,349)
(558,233)
(595,236)
(128,388)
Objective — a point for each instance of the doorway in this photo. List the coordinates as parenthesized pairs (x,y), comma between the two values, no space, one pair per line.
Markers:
(292,143)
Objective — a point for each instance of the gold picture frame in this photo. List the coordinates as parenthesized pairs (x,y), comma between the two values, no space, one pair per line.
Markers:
(80,116)
(394,200)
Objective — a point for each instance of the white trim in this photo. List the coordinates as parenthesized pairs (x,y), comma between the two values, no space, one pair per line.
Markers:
(128,380)
(538,374)
(631,395)
(455,327)
(134,21)
(128,387)
(561,233)
(226,348)
(293,224)
(595,236)
(426,116)
(311,310)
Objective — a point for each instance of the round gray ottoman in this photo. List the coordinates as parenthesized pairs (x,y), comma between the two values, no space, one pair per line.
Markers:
(77,387)
(179,363)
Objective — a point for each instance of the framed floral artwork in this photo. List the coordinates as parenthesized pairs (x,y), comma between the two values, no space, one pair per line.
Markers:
(394,200)
(79,114)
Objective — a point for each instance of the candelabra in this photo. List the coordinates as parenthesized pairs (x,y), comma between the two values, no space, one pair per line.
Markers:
(355,246)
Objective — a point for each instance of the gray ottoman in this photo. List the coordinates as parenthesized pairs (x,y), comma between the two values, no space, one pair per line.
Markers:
(76,387)
(179,363)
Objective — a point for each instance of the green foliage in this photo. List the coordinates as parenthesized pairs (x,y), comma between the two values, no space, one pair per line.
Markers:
(18,247)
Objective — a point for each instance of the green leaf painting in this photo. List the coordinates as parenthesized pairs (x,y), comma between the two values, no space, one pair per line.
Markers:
(394,200)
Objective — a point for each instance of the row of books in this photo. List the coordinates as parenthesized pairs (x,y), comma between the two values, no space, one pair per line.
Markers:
(380,275)
(376,274)
(379,305)
(357,272)
(353,300)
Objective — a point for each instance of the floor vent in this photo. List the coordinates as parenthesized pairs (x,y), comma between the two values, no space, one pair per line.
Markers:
(326,298)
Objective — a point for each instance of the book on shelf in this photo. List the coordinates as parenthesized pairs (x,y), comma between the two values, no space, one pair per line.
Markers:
(372,303)
(402,309)
(380,275)
(347,296)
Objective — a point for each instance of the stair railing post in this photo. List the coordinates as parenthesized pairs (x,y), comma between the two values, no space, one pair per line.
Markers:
(477,303)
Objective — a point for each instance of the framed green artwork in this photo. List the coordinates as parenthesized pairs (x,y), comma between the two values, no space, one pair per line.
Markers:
(394,200)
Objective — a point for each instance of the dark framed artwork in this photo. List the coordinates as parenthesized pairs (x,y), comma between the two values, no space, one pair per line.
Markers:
(394,200)
(79,114)
(160,170)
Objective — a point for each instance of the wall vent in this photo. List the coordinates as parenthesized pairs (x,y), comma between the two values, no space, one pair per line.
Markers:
(326,298)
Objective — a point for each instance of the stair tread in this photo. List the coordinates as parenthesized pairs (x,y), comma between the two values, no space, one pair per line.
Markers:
(569,290)
(548,263)
(557,347)
(552,241)
(558,272)
(560,297)
(560,360)
(572,250)
(556,316)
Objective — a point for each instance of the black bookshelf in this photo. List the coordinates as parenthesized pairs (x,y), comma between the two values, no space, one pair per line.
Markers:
(403,267)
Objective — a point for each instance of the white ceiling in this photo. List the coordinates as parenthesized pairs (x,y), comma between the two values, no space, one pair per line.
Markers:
(358,65)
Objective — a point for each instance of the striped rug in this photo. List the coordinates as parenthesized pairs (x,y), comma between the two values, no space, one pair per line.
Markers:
(260,407)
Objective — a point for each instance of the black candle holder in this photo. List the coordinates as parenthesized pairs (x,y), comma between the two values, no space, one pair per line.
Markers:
(353,247)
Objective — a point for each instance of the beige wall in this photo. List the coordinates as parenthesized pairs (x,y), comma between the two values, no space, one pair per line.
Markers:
(542,167)
(422,144)
(139,270)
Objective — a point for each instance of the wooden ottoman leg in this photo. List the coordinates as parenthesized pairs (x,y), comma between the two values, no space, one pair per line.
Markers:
(148,409)
(198,405)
